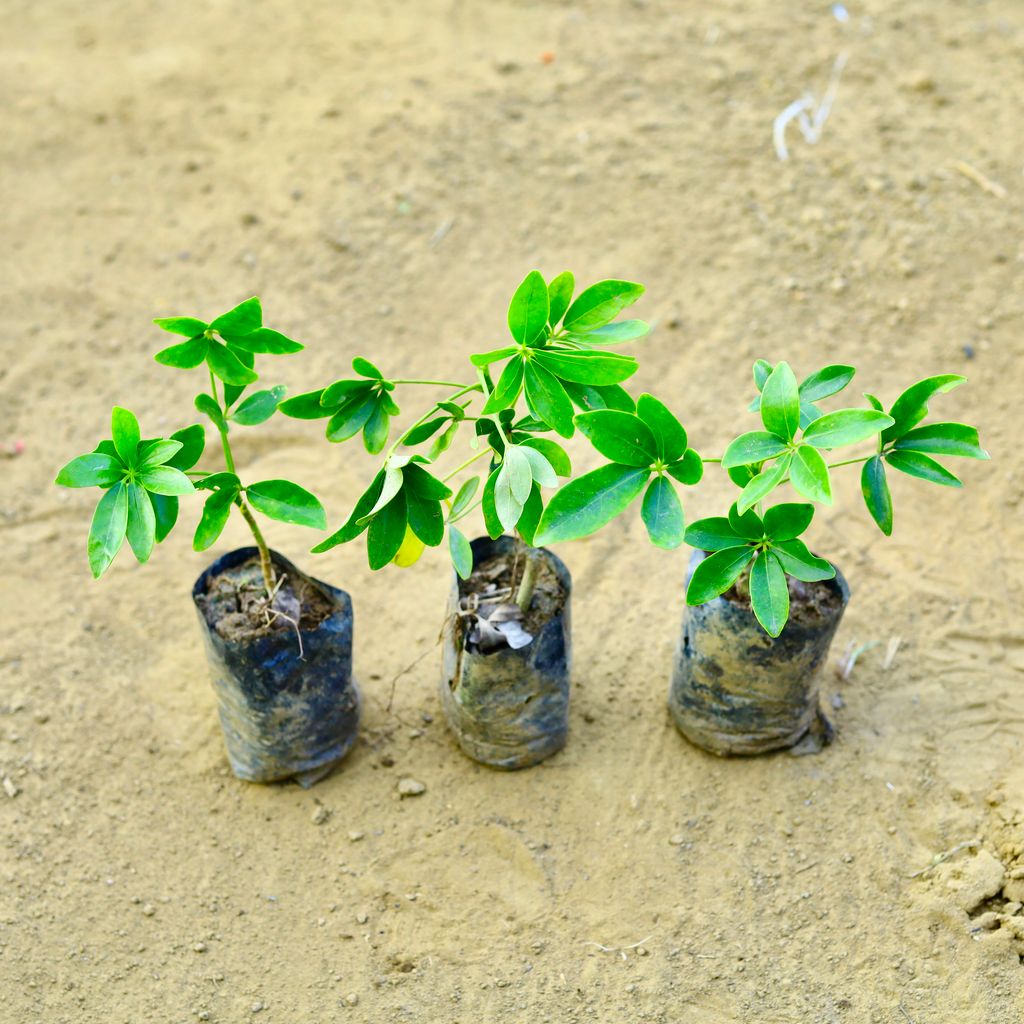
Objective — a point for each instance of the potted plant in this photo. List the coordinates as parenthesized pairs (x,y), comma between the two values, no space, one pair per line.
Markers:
(762,609)
(279,643)
(507,639)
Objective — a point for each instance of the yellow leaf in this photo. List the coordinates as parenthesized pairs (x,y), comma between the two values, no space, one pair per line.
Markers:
(410,551)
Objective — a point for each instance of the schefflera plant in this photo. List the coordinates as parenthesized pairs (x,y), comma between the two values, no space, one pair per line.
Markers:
(795,447)
(506,656)
(747,683)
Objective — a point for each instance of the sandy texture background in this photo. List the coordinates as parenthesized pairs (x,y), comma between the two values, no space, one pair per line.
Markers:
(383,175)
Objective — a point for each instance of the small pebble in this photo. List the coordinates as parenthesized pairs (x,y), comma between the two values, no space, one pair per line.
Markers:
(352,999)
(256,1007)
(410,787)
(678,839)
(200,947)
(354,837)
(362,918)
(148,910)
(10,788)
(320,815)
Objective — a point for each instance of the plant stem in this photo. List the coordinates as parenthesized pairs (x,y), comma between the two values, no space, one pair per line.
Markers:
(266,566)
(709,460)
(849,462)
(434,383)
(458,469)
(529,581)
(463,389)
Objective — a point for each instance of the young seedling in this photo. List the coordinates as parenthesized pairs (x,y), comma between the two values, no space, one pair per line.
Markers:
(556,363)
(144,478)
(793,448)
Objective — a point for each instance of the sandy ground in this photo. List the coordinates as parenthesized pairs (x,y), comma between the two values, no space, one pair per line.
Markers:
(383,175)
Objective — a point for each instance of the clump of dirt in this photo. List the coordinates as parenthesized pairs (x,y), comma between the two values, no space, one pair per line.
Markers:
(237,607)
(810,604)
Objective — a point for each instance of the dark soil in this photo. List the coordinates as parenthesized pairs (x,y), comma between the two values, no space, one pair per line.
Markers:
(496,580)
(810,604)
(236,606)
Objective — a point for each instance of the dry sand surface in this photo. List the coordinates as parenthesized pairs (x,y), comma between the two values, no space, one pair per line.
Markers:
(383,175)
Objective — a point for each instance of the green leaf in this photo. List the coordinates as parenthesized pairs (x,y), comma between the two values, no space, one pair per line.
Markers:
(342,392)
(394,478)
(827,381)
(245,318)
(547,398)
(387,531)
(507,390)
(287,502)
(798,562)
(543,472)
(746,524)
(106,534)
(193,440)
(874,402)
(366,369)
(92,470)
(166,480)
(763,484)
(461,552)
(419,434)
(808,473)
(717,573)
(662,514)
(156,453)
(306,406)
(463,498)
(351,417)
(357,521)
(944,439)
(124,429)
(263,340)
(592,399)
(512,486)
(258,407)
(444,442)
(141,523)
(529,520)
(619,436)
(742,475)
(600,304)
(754,446)
(689,469)
(165,511)
(912,406)
(187,325)
(599,369)
(226,365)
(551,450)
(924,467)
(712,534)
(528,311)
(559,296)
(845,426)
(206,404)
(669,435)
(426,485)
(808,414)
(487,506)
(376,429)
(216,512)
(589,502)
(186,355)
(788,520)
(614,334)
(426,519)
(762,371)
(482,359)
(875,489)
(769,593)
(780,403)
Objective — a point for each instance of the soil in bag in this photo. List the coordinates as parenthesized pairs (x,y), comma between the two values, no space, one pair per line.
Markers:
(281,668)
(505,686)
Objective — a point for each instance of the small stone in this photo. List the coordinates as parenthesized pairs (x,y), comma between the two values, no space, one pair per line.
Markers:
(387,761)
(1012,909)
(148,910)
(974,880)
(352,999)
(986,922)
(320,815)
(677,840)
(1014,891)
(256,1008)
(641,951)
(10,788)
(426,717)
(410,787)
(199,947)
(354,837)
(362,917)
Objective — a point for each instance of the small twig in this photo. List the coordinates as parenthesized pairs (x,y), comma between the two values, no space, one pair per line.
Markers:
(941,858)
(617,949)
(993,188)
(844,667)
(890,652)
(806,867)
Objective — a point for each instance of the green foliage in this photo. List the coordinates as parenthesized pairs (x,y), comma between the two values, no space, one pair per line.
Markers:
(793,447)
